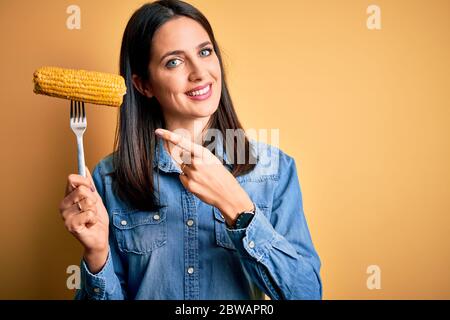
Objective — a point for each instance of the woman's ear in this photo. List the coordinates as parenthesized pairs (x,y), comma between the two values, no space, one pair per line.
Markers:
(141,86)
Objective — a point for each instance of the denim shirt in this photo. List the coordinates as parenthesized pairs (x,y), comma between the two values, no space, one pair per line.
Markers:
(186,251)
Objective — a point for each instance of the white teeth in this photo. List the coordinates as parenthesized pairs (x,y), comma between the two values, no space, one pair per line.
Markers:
(199,92)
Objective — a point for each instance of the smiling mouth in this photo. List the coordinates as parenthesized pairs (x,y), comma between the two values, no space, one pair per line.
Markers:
(200,92)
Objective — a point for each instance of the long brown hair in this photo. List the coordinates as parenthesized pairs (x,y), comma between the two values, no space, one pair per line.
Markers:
(139,116)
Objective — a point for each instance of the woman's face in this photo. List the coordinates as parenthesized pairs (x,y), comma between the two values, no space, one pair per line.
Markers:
(185,73)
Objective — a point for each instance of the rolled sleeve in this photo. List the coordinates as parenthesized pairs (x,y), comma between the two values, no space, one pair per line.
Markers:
(108,283)
(256,240)
(100,285)
(280,257)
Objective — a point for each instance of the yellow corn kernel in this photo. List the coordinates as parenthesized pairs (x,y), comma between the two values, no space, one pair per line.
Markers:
(80,85)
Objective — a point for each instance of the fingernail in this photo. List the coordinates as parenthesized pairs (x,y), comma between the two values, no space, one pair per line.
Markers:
(158,132)
(92,188)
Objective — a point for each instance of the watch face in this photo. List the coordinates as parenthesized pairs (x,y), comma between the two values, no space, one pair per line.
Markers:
(244,220)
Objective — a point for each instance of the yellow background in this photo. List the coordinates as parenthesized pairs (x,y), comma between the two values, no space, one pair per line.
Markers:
(365,113)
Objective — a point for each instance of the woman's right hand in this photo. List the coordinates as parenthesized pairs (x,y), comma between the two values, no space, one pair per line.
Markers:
(90,224)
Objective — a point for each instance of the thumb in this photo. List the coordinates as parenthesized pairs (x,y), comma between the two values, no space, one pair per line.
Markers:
(89,176)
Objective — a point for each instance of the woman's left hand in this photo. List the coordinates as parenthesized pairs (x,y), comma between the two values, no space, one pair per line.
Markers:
(206,177)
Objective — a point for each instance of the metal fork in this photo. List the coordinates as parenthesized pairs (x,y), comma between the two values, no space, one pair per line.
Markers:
(78,123)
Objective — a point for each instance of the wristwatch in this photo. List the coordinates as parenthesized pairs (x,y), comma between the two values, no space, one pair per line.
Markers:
(243,220)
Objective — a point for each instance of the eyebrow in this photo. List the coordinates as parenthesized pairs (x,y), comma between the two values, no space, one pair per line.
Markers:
(181,51)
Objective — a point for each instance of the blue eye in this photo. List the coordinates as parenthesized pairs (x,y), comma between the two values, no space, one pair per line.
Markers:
(171,65)
(175,62)
(207,50)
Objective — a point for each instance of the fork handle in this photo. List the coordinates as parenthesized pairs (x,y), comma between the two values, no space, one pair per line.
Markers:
(81,166)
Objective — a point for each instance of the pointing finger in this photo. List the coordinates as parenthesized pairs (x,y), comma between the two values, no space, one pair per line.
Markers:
(182,142)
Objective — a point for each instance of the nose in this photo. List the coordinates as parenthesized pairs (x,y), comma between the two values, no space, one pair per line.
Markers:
(197,70)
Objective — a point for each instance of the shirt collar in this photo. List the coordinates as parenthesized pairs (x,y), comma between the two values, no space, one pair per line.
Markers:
(162,158)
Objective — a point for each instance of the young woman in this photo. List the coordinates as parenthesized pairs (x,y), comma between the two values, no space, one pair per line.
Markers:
(167,216)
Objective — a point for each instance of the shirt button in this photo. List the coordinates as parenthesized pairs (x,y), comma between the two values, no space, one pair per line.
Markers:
(96,290)
(221,215)
(190,222)
(190,270)
(123,222)
(156,217)
(251,244)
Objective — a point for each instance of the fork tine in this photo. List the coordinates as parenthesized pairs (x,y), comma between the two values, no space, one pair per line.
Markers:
(71,109)
(75,115)
(78,111)
(75,111)
(84,113)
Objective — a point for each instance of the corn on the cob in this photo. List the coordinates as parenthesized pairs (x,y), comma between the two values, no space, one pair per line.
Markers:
(80,85)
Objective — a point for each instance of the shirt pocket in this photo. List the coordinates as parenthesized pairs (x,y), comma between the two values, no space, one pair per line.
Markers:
(140,232)
(221,235)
